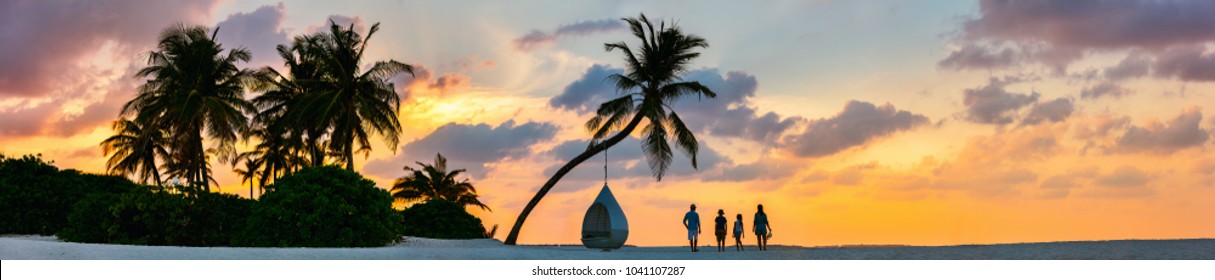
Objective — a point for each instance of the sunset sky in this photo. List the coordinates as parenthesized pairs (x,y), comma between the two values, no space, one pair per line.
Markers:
(853,122)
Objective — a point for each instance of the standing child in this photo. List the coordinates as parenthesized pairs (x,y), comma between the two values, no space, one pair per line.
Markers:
(719,229)
(738,233)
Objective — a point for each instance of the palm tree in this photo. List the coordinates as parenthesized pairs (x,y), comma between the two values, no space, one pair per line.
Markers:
(135,148)
(347,102)
(192,89)
(276,155)
(435,182)
(279,104)
(651,84)
(250,172)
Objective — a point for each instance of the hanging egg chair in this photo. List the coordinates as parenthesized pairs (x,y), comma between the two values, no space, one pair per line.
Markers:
(604,226)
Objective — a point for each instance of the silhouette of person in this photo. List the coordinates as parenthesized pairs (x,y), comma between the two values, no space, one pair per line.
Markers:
(738,233)
(719,230)
(761,227)
(691,221)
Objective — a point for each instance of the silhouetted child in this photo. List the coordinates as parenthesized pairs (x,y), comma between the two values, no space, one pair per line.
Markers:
(719,229)
(738,233)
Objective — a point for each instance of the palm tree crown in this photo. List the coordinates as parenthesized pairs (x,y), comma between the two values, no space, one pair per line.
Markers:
(346,101)
(193,88)
(435,182)
(134,150)
(652,82)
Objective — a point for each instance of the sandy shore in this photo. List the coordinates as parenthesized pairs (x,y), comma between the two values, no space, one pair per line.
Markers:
(47,247)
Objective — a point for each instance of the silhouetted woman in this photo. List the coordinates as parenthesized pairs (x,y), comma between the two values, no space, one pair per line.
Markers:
(761,228)
(738,233)
(719,230)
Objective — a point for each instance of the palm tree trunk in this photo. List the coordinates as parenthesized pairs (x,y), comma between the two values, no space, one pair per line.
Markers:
(156,176)
(513,237)
(350,157)
(317,152)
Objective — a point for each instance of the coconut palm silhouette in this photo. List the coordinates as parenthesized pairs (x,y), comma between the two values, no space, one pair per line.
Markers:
(193,88)
(651,84)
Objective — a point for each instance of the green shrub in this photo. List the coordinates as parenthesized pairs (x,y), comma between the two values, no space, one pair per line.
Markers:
(152,216)
(36,197)
(443,219)
(28,204)
(147,218)
(322,207)
(90,219)
(217,218)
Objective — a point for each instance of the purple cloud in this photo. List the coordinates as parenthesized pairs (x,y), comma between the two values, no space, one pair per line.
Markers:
(1103,89)
(1189,63)
(1165,34)
(583,28)
(40,40)
(1095,24)
(1054,111)
(1134,65)
(467,146)
(858,124)
(1181,132)
(626,161)
(731,114)
(259,31)
(972,56)
(991,104)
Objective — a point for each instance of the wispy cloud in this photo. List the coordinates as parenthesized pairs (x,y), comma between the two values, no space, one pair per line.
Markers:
(583,28)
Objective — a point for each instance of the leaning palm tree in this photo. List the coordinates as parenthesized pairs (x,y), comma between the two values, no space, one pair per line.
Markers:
(193,89)
(346,101)
(650,85)
(435,182)
(134,150)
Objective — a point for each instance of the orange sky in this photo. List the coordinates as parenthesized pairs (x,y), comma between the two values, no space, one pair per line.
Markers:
(881,123)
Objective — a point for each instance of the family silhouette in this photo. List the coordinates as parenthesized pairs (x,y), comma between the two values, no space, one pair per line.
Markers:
(759,226)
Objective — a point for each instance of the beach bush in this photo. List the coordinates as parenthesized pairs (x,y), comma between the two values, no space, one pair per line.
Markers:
(90,218)
(36,197)
(438,218)
(155,216)
(322,207)
(217,218)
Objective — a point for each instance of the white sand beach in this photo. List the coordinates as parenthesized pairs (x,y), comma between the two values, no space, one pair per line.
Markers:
(48,247)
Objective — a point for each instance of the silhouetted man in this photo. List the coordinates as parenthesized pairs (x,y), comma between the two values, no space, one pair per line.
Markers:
(691,220)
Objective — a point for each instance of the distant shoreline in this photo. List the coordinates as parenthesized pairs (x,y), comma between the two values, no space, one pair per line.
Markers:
(47,247)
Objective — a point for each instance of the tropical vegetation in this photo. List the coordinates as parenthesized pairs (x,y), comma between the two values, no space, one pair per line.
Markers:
(309,120)
(327,103)
(433,181)
(193,88)
(157,216)
(36,197)
(443,219)
(322,206)
(134,150)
